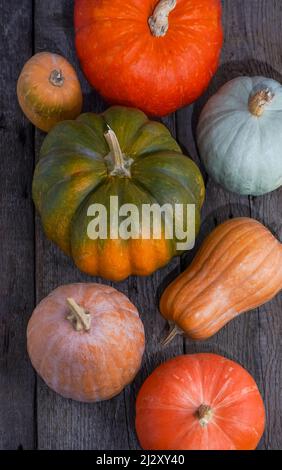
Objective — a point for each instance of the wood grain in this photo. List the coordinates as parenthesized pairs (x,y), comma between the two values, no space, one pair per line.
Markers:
(65,424)
(17,424)
(31,415)
(252,43)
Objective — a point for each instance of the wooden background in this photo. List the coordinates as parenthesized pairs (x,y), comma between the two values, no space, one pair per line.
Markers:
(31,415)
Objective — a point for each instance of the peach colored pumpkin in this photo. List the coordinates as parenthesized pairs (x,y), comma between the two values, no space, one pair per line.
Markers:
(86,341)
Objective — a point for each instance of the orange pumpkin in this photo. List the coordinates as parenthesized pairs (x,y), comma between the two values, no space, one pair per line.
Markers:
(238,268)
(199,402)
(155,55)
(49,91)
(86,341)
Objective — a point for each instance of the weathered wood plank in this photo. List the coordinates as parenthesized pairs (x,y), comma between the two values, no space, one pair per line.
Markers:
(17,233)
(269,333)
(65,424)
(265,36)
(252,42)
(107,425)
(251,30)
(144,293)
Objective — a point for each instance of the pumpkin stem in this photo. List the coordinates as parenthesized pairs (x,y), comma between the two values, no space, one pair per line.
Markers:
(56,78)
(258,101)
(158,22)
(120,165)
(79,318)
(172,334)
(204,415)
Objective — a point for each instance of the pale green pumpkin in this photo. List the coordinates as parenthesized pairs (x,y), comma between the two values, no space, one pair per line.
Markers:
(240,136)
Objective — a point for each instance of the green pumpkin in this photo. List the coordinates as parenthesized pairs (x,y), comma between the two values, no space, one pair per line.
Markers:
(240,136)
(118,153)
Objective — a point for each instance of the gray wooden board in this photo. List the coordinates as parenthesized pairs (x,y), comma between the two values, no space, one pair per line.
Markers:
(31,415)
(17,423)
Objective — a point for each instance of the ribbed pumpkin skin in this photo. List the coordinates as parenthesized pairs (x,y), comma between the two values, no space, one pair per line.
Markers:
(168,402)
(238,268)
(72,174)
(129,66)
(87,366)
(241,151)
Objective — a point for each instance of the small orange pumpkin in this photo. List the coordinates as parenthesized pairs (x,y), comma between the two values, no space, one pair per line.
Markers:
(238,268)
(49,90)
(199,402)
(86,341)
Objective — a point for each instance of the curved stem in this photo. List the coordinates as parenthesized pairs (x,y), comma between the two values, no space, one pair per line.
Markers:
(79,318)
(259,100)
(204,415)
(56,78)
(120,165)
(172,334)
(158,22)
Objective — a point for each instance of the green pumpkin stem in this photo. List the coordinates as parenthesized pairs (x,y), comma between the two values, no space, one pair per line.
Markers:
(119,163)
(204,415)
(78,317)
(258,101)
(158,22)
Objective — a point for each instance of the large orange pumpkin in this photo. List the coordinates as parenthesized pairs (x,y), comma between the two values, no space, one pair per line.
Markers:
(199,402)
(238,268)
(86,341)
(155,55)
